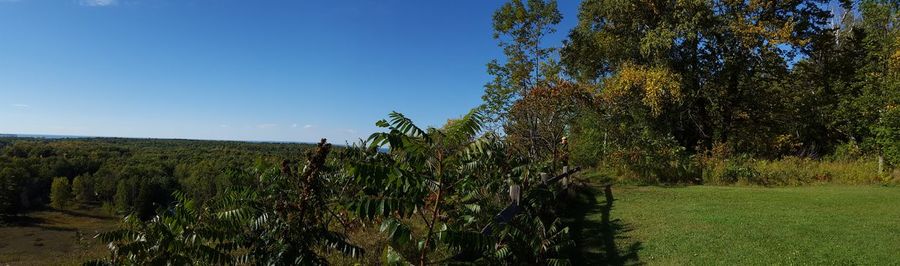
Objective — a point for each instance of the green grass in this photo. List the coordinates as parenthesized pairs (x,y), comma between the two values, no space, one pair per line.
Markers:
(704,225)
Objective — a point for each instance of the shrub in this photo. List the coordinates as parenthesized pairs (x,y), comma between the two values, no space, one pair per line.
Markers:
(653,159)
(847,151)
(739,170)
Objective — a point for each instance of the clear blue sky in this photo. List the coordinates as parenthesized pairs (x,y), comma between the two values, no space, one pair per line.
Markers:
(238,69)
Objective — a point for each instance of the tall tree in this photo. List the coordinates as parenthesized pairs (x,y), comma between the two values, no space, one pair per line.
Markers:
(880,78)
(520,27)
(123,197)
(8,194)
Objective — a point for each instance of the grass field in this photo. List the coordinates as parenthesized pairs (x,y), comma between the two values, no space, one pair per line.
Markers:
(54,238)
(708,225)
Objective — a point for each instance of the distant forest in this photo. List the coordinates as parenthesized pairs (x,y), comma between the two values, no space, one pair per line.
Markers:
(126,175)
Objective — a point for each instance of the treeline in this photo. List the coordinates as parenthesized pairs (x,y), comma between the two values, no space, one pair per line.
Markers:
(123,175)
(672,90)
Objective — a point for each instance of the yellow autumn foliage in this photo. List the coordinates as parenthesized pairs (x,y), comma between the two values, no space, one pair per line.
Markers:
(753,27)
(657,85)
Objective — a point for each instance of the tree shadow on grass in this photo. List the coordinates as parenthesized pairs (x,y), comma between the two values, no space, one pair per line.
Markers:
(596,233)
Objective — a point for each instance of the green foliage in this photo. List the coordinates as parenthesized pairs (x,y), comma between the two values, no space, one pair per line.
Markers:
(285,218)
(123,197)
(692,70)
(520,26)
(539,121)
(887,134)
(8,193)
(529,240)
(60,193)
(81,189)
(27,166)
(436,190)
(588,142)
(739,170)
(288,218)
(185,235)
(421,174)
(676,79)
(847,151)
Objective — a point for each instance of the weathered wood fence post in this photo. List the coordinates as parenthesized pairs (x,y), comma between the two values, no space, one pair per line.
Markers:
(515,193)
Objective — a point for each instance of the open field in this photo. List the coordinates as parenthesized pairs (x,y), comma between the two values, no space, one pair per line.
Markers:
(53,238)
(704,225)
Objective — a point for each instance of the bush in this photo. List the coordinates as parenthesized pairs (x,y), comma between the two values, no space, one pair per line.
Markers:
(739,170)
(653,159)
(847,151)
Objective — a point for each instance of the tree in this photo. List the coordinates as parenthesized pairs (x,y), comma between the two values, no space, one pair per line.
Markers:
(519,26)
(81,189)
(888,134)
(123,197)
(538,122)
(145,202)
(715,61)
(60,193)
(8,193)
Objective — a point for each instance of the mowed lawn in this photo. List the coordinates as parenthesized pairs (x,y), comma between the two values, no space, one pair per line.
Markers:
(708,225)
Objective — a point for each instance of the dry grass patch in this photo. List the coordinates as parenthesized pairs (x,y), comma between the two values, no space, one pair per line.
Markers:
(54,237)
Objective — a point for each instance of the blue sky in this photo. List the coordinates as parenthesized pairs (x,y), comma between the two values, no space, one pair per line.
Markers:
(275,70)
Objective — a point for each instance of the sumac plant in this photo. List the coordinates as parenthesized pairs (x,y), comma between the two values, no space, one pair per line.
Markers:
(413,186)
(435,190)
